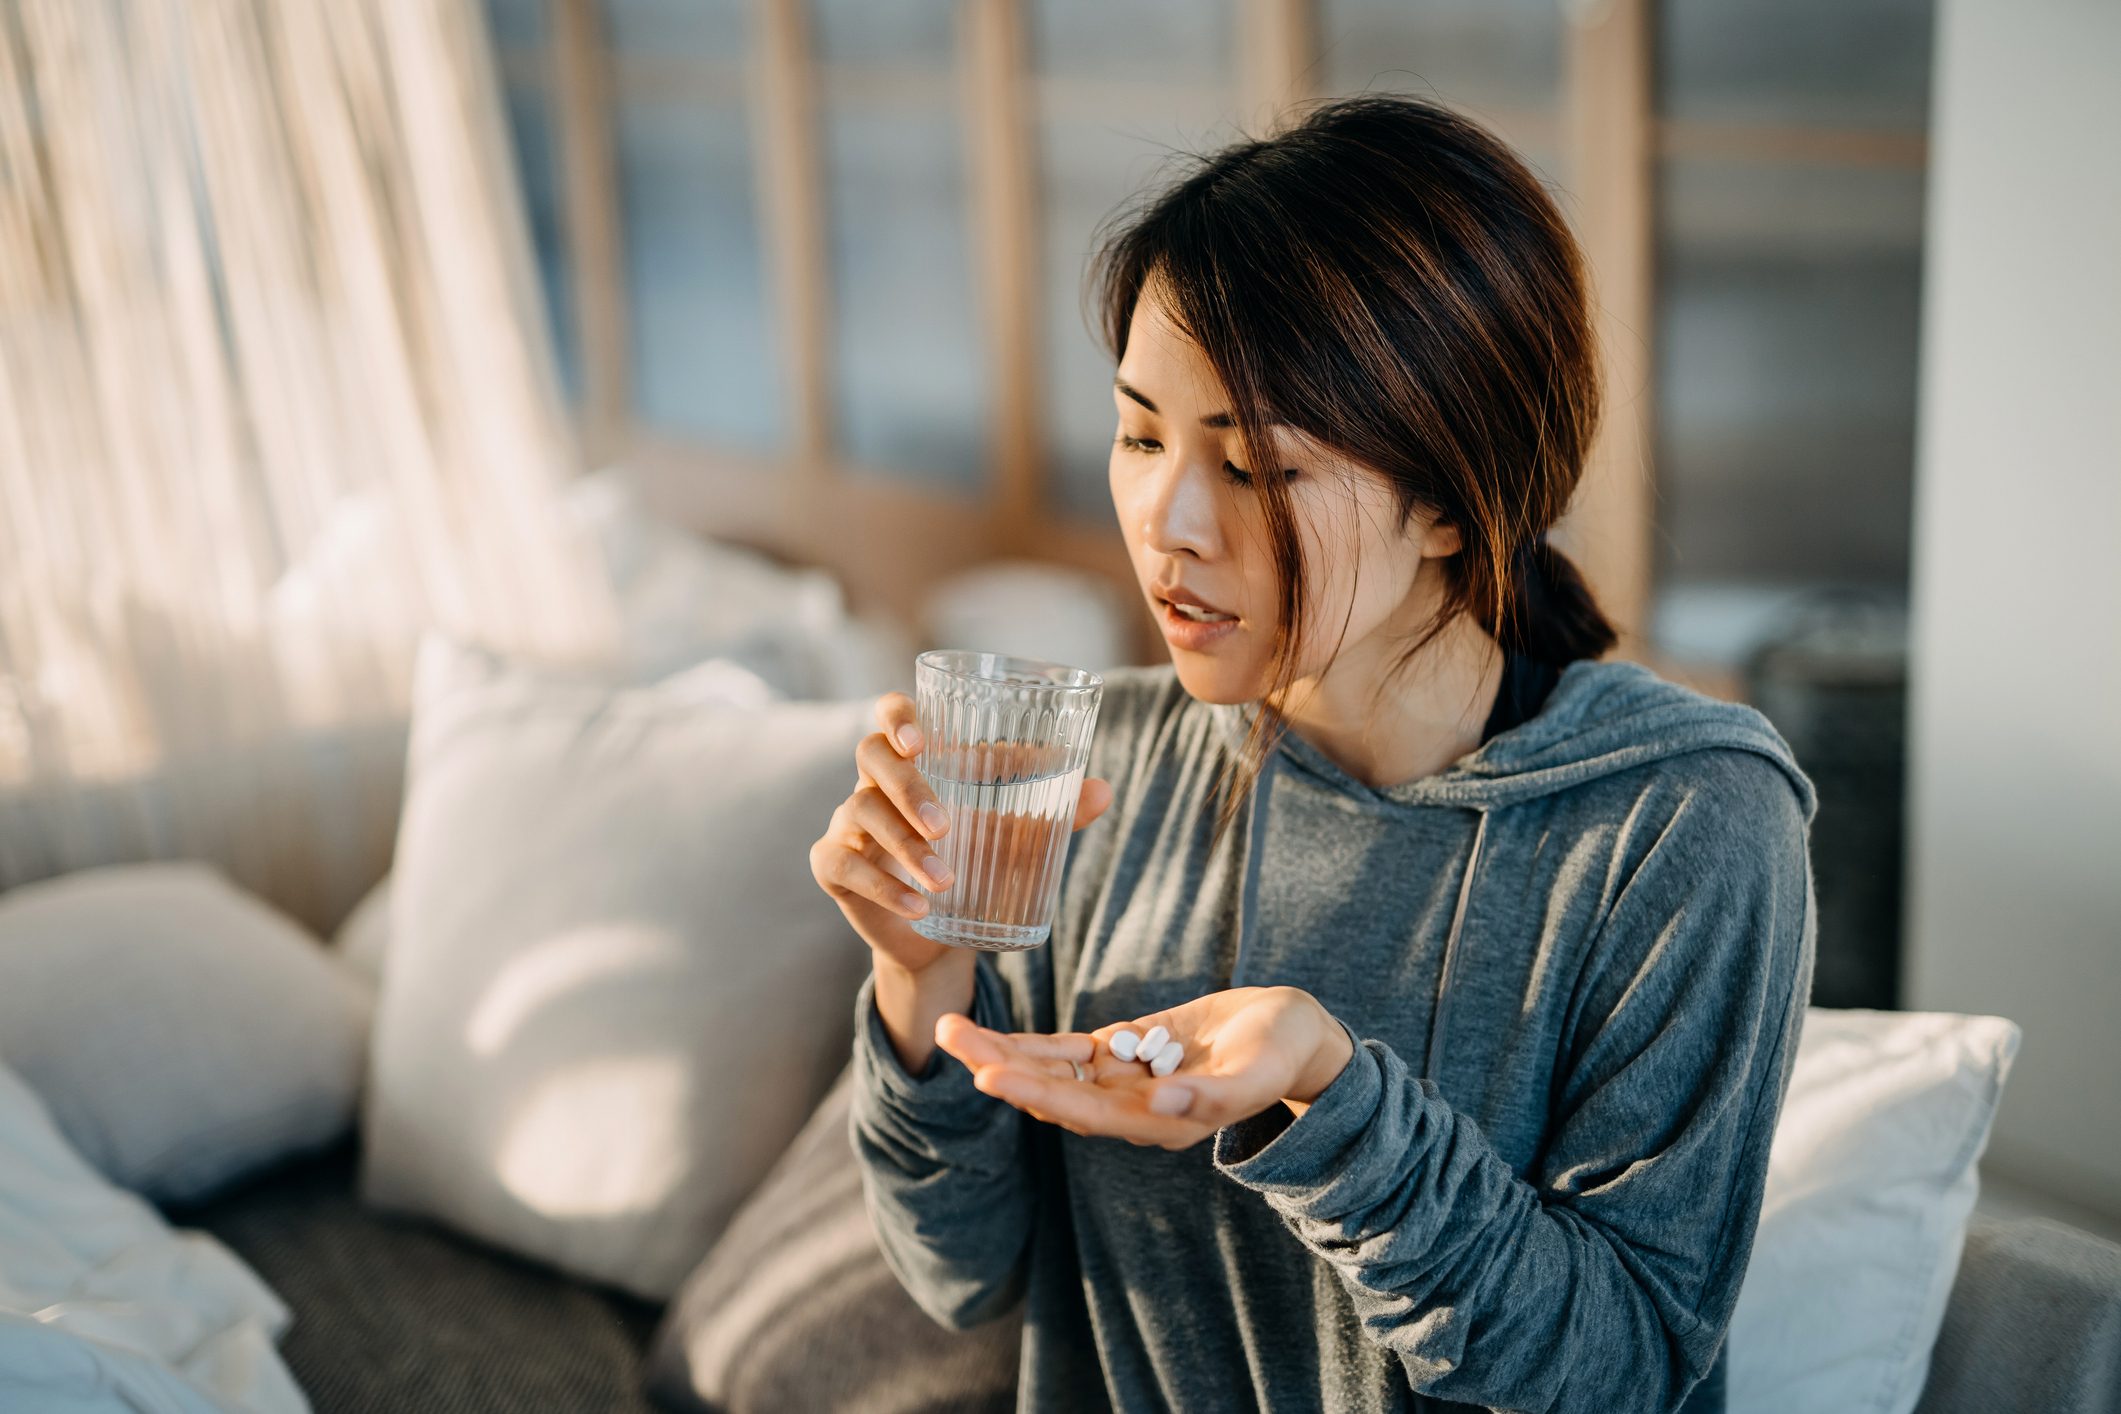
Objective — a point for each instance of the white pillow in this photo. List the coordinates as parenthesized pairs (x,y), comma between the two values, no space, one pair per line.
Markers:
(105,1308)
(684,598)
(181,1031)
(1870,1181)
(613,990)
(364,937)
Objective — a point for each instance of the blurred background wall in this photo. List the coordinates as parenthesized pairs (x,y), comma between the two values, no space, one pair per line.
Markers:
(813,268)
(2015,871)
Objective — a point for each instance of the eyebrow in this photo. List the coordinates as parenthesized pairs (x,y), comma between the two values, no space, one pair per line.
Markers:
(1213,419)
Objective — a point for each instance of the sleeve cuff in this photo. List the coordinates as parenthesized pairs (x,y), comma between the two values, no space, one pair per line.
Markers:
(945,1080)
(1296,1156)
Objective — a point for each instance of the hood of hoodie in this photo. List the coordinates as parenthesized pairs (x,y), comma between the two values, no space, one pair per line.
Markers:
(1601,717)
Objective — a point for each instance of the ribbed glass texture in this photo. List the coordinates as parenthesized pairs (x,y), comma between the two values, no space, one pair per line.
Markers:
(1004,741)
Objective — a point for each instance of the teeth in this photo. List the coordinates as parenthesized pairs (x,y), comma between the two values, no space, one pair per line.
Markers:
(1201,615)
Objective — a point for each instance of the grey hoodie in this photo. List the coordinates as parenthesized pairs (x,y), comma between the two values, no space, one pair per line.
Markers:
(1573,965)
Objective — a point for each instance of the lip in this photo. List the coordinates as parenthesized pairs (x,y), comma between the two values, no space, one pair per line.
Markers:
(1186,633)
(1177,594)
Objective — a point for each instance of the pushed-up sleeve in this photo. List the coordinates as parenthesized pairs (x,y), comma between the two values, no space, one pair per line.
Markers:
(944,1167)
(1606,1280)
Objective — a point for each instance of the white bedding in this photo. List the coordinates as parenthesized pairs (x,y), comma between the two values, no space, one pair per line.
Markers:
(105,1307)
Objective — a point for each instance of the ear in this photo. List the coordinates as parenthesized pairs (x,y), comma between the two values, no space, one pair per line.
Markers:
(1441,540)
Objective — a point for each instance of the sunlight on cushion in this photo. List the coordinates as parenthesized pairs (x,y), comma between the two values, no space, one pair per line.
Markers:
(562,964)
(833,1245)
(599,1139)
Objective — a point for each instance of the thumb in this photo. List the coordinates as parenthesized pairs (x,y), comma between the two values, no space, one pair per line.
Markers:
(1209,1098)
(1172,1099)
(1092,801)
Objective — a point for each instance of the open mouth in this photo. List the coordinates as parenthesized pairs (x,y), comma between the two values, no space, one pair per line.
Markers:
(1199,615)
(1190,627)
(1193,612)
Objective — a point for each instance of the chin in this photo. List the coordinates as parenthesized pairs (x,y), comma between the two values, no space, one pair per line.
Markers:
(1210,681)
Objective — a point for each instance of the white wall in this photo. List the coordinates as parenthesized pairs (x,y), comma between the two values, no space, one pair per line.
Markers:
(2015,794)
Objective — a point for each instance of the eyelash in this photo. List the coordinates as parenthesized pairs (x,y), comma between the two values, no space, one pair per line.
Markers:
(1231,474)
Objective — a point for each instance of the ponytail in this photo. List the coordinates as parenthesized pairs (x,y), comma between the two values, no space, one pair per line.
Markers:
(1552,616)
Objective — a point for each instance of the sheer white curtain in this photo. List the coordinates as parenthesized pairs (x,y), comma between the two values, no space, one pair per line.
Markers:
(274,394)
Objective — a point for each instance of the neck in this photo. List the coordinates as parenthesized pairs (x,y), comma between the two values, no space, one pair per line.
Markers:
(1426,717)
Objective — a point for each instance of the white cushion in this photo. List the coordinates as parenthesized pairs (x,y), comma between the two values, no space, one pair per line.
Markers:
(613,989)
(105,1308)
(182,1032)
(1870,1181)
(684,598)
(364,937)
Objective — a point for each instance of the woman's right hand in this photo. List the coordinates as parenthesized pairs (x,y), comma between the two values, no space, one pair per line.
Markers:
(879,838)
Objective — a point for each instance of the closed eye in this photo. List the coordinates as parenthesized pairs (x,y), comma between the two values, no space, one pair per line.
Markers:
(1232,474)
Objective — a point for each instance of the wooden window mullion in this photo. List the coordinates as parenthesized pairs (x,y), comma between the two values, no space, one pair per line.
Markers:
(581,73)
(1002,168)
(790,169)
(1611,145)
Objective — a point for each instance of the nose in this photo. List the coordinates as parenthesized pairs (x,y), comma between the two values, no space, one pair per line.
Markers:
(1178,510)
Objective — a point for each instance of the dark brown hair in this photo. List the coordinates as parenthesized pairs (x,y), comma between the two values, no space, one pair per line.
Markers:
(1391,279)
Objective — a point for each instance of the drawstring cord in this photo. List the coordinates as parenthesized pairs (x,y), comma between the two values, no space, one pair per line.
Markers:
(1255,840)
(1256,837)
(1450,953)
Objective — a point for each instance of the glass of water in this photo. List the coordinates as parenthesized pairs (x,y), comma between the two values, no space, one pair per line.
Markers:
(1004,742)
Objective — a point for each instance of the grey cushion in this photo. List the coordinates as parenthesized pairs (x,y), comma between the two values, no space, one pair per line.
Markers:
(794,1307)
(2034,1323)
(395,1313)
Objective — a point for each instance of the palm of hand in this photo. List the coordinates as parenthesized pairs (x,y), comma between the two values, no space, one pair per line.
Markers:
(1245,1049)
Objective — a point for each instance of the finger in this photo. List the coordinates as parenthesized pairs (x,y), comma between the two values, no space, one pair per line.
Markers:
(850,873)
(1092,800)
(1203,1098)
(969,1041)
(896,717)
(1170,1098)
(1057,1045)
(881,821)
(985,1052)
(1120,1112)
(882,766)
(1034,1052)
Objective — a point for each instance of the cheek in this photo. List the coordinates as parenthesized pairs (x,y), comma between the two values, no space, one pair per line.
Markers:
(1354,575)
(1123,484)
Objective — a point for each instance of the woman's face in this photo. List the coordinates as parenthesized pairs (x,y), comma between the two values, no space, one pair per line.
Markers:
(1191,522)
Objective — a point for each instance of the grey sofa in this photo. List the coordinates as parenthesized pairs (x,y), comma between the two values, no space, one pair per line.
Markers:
(395,1314)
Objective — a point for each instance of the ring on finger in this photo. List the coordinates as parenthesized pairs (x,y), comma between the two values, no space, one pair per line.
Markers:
(1077,1067)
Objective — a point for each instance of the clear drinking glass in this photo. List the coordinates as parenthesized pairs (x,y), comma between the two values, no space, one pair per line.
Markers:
(1004,742)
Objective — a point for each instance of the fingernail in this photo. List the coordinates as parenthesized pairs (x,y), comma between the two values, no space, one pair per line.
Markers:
(932,816)
(938,872)
(913,901)
(909,736)
(1171,1100)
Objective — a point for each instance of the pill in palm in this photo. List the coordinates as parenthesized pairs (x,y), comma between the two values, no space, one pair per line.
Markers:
(1167,1059)
(1124,1044)
(1151,1044)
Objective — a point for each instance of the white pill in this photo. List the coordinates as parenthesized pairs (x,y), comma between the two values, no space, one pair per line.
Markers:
(1152,1043)
(1123,1044)
(1167,1059)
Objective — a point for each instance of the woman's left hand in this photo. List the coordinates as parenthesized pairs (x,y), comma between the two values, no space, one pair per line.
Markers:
(1245,1049)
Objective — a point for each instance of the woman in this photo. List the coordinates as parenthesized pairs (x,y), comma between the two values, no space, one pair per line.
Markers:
(1488,958)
